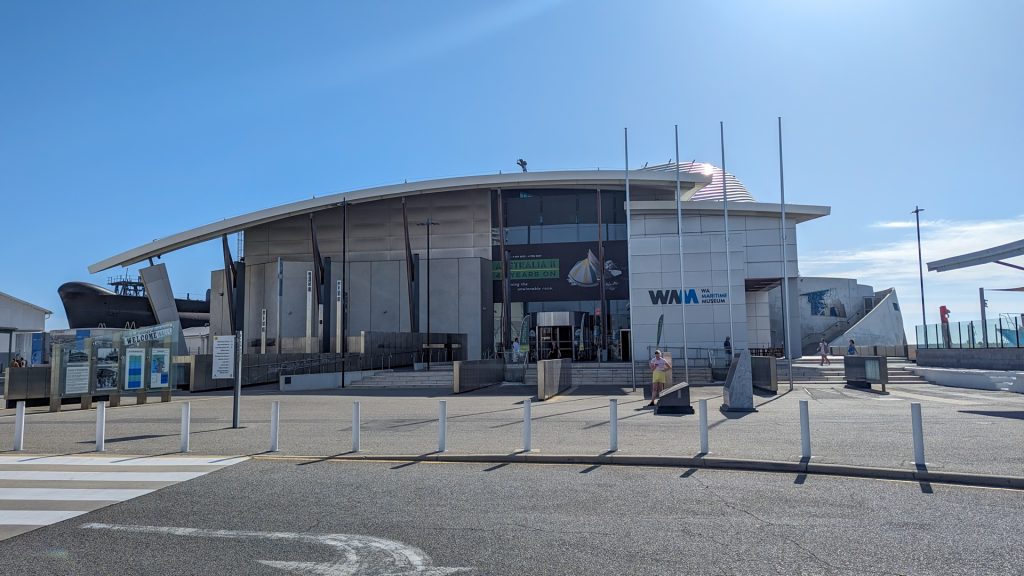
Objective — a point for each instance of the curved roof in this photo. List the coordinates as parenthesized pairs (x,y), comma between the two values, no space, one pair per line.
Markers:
(713,191)
(692,182)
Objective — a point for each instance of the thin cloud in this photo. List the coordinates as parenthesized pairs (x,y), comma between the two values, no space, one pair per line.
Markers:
(895,264)
(907,224)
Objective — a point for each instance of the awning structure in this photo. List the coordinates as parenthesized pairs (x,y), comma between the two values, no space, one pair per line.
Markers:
(988,256)
(691,183)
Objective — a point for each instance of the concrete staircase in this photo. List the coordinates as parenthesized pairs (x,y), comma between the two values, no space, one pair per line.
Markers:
(807,370)
(619,374)
(436,377)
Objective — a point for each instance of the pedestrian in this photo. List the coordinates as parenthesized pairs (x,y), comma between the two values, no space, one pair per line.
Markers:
(515,350)
(660,367)
(823,352)
(728,347)
(851,350)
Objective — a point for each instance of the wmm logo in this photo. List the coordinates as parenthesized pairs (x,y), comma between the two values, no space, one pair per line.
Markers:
(707,296)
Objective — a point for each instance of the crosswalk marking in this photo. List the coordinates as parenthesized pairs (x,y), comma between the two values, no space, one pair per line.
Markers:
(39,490)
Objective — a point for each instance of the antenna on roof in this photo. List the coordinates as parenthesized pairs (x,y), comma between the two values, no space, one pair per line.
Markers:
(645,164)
(522,164)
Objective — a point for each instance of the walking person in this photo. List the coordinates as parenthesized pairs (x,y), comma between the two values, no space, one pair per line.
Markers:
(728,348)
(823,352)
(851,350)
(515,350)
(660,367)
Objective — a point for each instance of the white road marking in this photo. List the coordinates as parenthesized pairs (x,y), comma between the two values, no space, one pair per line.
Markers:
(121,460)
(98,476)
(91,494)
(36,517)
(361,554)
(119,478)
(912,396)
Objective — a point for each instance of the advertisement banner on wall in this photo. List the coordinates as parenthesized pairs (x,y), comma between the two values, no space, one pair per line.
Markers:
(159,362)
(135,360)
(562,272)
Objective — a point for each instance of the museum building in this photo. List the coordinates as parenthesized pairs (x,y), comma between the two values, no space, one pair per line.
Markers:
(555,259)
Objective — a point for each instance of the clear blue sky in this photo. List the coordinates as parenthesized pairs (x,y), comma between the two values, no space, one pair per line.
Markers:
(121,122)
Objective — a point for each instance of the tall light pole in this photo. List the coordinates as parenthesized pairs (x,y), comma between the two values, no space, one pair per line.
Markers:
(920,270)
(428,223)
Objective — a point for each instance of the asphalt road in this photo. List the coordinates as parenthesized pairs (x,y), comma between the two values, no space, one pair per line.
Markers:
(273,517)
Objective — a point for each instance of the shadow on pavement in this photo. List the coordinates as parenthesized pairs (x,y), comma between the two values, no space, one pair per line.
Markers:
(1015,414)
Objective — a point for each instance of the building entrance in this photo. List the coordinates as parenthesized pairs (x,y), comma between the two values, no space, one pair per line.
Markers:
(564,335)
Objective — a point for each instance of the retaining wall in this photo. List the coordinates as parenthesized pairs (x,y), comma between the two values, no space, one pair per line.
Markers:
(470,375)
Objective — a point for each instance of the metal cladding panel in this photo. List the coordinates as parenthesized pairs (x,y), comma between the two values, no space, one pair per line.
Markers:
(555,319)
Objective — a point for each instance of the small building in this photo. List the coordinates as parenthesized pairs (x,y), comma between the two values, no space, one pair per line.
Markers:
(16,316)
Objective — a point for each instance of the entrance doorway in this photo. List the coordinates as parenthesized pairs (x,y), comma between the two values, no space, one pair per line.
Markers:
(564,335)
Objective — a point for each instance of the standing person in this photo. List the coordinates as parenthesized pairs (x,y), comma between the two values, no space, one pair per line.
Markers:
(728,347)
(515,350)
(823,352)
(851,350)
(659,374)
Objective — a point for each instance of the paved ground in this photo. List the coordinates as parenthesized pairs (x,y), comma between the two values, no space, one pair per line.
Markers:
(965,430)
(274,517)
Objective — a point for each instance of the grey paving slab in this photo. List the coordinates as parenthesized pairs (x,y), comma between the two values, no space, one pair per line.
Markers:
(965,431)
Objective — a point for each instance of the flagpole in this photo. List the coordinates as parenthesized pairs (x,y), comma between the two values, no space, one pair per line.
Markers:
(728,259)
(629,259)
(785,261)
(682,274)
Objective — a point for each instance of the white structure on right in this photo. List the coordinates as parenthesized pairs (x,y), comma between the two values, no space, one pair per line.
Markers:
(839,309)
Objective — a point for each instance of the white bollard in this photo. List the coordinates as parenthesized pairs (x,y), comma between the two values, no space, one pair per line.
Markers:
(702,407)
(355,426)
(915,417)
(186,424)
(275,419)
(101,426)
(805,430)
(527,422)
(442,426)
(613,420)
(19,426)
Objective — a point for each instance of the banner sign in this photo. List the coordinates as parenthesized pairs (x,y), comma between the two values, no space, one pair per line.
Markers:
(159,361)
(148,334)
(562,272)
(693,296)
(135,359)
(223,357)
(76,379)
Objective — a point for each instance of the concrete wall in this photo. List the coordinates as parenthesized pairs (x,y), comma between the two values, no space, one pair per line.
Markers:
(977,359)
(846,297)
(460,291)
(553,377)
(882,326)
(754,254)
(476,374)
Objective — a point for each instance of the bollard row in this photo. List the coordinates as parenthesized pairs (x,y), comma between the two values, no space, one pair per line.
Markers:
(442,431)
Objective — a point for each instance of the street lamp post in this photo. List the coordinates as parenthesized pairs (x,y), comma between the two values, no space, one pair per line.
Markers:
(428,223)
(920,270)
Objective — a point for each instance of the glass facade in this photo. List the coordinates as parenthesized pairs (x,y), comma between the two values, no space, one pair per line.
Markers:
(551,236)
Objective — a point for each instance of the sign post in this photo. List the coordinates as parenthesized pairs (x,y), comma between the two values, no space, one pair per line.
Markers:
(224,366)
(238,381)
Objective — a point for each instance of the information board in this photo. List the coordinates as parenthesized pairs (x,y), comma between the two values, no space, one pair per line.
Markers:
(159,362)
(135,360)
(223,357)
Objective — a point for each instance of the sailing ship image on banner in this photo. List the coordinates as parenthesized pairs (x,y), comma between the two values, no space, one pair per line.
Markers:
(586,272)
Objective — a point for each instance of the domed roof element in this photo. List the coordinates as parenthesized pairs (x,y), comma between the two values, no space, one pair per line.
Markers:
(713,191)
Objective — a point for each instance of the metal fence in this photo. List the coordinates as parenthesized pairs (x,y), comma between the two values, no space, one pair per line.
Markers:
(1003,333)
